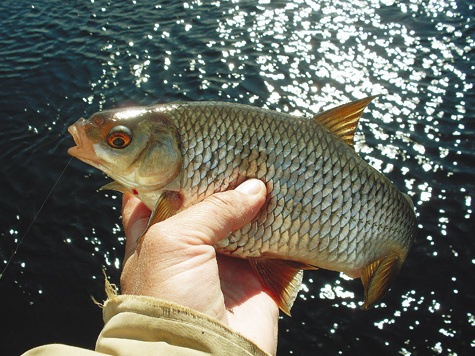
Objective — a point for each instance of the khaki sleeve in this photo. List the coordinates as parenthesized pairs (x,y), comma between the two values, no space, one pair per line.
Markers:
(148,324)
(58,349)
(138,325)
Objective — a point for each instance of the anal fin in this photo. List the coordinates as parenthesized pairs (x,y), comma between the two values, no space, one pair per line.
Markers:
(378,276)
(281,278)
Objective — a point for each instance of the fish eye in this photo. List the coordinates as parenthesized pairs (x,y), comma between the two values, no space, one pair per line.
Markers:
(119,137)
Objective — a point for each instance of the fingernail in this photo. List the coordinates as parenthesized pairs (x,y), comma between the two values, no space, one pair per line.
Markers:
(250,187)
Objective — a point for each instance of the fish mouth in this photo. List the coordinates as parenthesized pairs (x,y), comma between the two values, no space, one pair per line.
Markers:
(83,149)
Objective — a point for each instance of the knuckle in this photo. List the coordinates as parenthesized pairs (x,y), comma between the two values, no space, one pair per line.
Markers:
(219,202)
(222,206)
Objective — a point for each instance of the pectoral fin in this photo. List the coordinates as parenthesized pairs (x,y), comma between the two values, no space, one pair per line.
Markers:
(114,186)
(282,279)
(378,276)
(166,206)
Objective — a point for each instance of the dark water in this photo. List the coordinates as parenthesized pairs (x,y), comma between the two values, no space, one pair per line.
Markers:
(60,60)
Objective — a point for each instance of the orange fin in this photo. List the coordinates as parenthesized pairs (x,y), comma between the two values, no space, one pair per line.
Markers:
(343,120)
(166,206)
(378,276)
(282,279)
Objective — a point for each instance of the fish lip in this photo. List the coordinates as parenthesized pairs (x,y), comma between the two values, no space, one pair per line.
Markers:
(77,140)
(83,150)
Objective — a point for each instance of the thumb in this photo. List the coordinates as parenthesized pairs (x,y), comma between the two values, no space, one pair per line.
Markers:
(219,214)
(135,217)
(206,222)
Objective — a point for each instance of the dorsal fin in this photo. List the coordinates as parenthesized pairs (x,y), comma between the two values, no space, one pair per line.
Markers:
(343,120)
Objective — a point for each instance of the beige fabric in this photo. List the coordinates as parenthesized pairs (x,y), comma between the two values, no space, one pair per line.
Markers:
(138,325)
(57,349)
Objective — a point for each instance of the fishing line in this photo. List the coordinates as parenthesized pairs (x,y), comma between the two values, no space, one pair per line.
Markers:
(34,219)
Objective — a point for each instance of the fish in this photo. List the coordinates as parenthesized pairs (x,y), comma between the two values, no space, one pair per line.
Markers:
(325,208)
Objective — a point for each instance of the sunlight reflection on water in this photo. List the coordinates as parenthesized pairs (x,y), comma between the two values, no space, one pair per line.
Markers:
(306,56)
(313,55)
(300,57)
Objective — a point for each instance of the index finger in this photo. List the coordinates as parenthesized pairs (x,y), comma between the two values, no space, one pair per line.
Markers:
(135,216)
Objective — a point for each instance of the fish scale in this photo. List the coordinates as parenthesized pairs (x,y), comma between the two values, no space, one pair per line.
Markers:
(326,207)
(327,233)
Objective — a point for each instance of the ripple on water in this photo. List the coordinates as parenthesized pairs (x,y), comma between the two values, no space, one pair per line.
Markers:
(61,61)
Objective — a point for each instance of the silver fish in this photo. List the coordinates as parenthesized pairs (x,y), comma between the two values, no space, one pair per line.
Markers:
(326,207)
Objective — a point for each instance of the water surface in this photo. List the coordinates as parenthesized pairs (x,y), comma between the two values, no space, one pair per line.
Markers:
(64,60)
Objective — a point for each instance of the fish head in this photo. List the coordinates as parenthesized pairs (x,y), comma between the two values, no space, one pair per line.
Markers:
(137,147)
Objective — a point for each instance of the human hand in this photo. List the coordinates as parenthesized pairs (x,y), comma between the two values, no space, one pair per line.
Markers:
(176,261)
